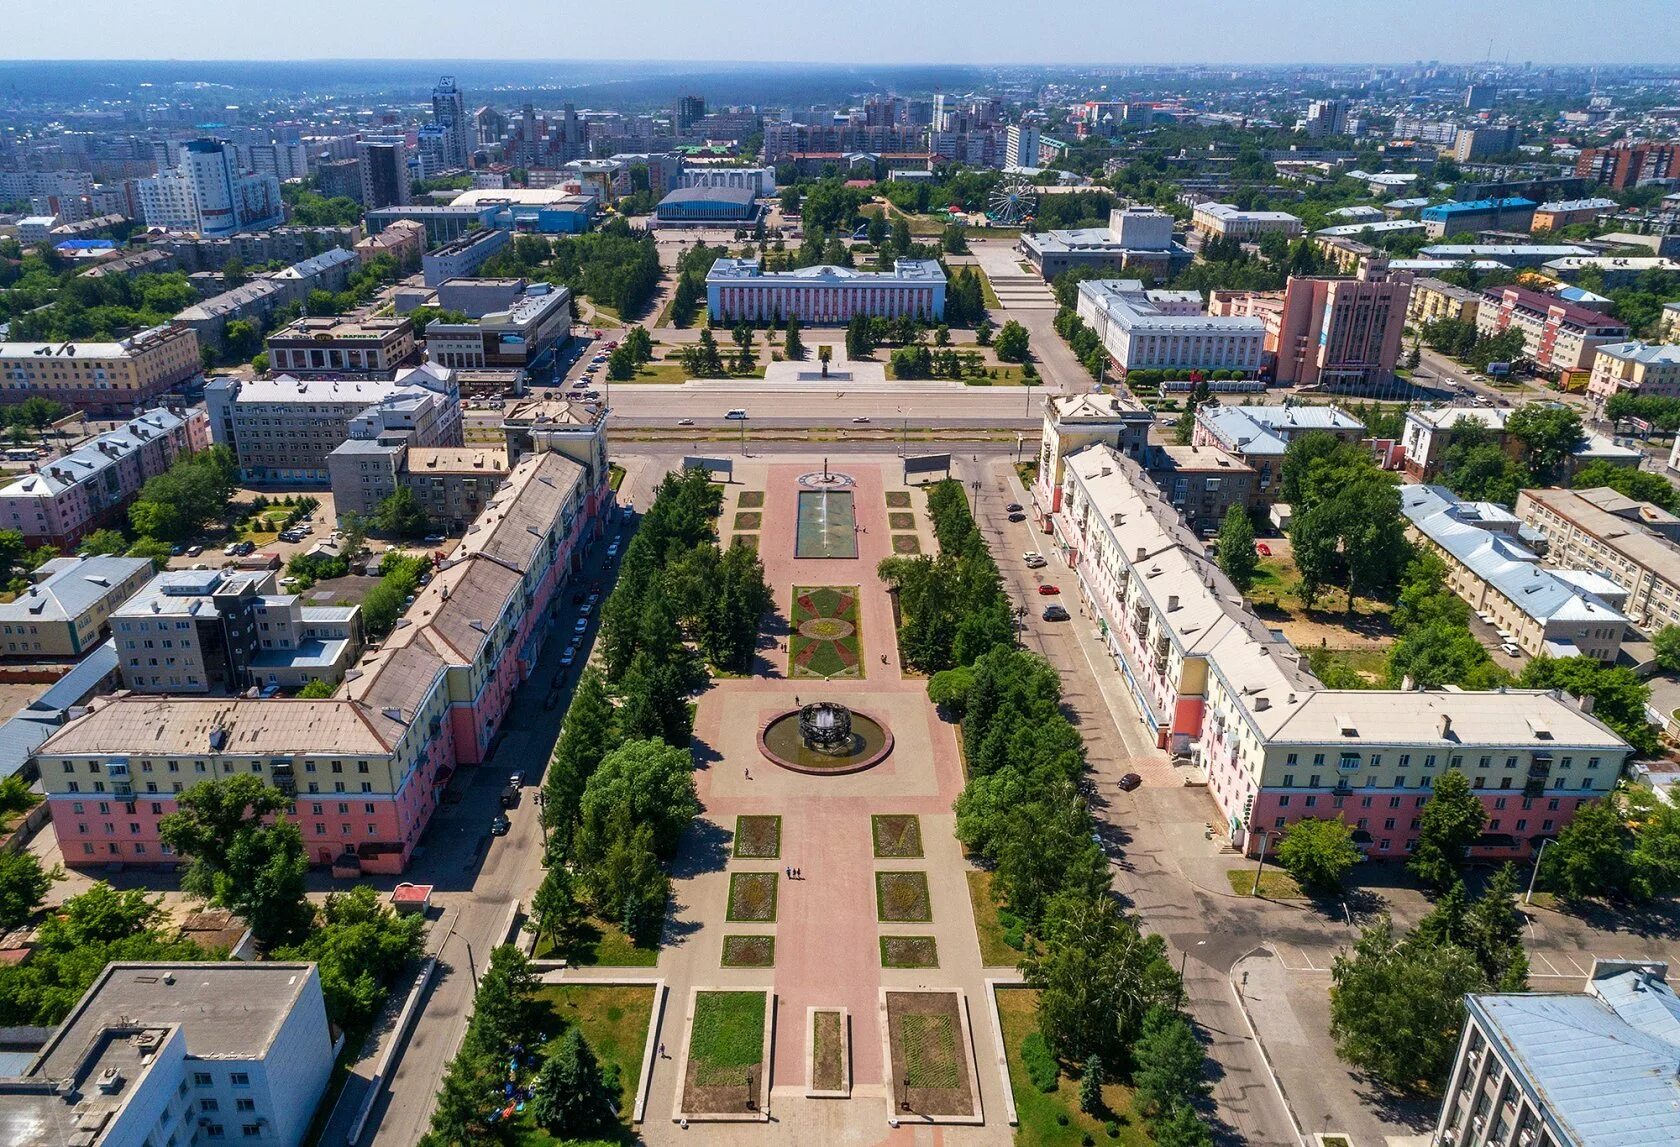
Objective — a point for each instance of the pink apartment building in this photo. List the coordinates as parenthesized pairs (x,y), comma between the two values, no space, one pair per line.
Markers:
(367,766)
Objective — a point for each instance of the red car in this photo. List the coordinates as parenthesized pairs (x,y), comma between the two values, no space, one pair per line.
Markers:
(1047,589)
(1263,549)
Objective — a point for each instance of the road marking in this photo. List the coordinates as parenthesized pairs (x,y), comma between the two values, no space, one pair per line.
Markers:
(1541,957)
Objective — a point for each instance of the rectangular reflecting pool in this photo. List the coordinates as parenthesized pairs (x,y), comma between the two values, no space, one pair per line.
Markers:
(827,525)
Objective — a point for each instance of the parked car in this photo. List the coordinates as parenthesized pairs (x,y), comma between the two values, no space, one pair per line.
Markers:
(1055,613)
(435,539)
(1034,561)
(1048,590)
(1129,782)
(194,551)
(516,778)
(569,656)
(1017,517)
(580,625)
(1013,507)
(1510,649)
(500,825)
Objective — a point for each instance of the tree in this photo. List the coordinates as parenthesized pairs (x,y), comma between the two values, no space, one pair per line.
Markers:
(157,552)
(572,1100)
(1629,480)
(317,689)
(1090,1086)
(585,738)
(1590,859)
(1011,343)
(24,885)
(1396,1009)
(792,345)
(104,542)
(1236,554)
(238,861)
(621,364)
(1318,853)
(1451,820)
(555,911)
(1494,929)
(1548,435)
(503,1010)
(400,515)
(1170,1062)
(650,784)
(1098,976)
(1181,1127)
(1442,653)
(360,945)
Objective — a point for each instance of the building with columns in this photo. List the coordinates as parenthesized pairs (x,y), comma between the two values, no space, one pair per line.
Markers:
(738,289)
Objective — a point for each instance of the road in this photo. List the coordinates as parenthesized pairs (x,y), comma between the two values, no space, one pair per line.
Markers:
(1144,828)
(477,879)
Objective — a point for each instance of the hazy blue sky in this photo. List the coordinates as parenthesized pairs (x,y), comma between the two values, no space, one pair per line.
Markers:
(974,31)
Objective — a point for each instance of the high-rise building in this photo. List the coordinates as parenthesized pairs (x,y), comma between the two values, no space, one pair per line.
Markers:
(1341,334)
(1623,164)
(1022,148)
(1480,96)
(227,199)
(1473,143)
(340,178)
(1326,117)
(688,111)
(384,175)
(449,111)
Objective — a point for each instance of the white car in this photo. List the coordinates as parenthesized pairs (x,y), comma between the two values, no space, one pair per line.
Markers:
(1510,649)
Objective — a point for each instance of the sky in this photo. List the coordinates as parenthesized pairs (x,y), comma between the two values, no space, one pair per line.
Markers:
(884,31)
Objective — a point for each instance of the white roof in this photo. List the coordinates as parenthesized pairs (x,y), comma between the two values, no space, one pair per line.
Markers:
(1230,211)
(1128,306)
(1660,354)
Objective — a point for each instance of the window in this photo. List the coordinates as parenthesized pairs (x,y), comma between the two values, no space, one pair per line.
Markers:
(1311,801)
(201,1079)
(1289,779)
(213,1130)
(207,1104)
(1279,822)
(1283,802)
(244,1104)
(1388,823)
(239,1079)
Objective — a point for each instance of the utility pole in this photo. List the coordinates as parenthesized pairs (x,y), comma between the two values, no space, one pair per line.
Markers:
(1528,896)
(1258,867)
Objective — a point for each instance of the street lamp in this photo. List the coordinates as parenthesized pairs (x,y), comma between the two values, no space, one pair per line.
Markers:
(1533,876)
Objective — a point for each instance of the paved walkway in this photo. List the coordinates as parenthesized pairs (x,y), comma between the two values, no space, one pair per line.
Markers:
(827,949)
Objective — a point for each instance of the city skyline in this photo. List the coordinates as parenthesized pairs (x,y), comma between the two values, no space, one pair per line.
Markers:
(1197,31)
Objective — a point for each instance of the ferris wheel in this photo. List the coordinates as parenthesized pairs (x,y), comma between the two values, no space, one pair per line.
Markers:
(1012,202)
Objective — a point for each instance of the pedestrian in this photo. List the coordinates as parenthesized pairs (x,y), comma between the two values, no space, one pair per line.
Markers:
(662,1054)
(787,871)
(883,659)
(748,769)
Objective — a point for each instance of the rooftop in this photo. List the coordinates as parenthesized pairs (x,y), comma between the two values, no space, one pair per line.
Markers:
(337,328)
(1513,570)
(1230,211)
(66,588)
(1600,1063)
(1128,306)
(739,196)
(1266,430)
(1654,354)
(1378,227)
(1446,210)
(916,270)
(90,461)
(1561,205)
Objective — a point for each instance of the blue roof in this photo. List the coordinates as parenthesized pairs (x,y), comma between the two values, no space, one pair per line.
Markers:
(85,245)
(29,730)
(1448,210)
(1603,1064)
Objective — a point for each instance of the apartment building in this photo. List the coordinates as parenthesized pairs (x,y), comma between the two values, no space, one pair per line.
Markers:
(1260,436)
(1512,213)
(1138,237)
(1560,213)
(1558,337)
(1432,300)
(1329,334)
(283,429)
(404,241)
(1568,1069)
(1548,613)
(367,766)
(64,610)
(1429,432)
(66,498)
(1167,330)
(451,483)
(1227,221)
(1484,140)
(740,289)
(1218,688)
(206,631)
(110,379)
(1634,544)
(1626,164)
(1636,367)
(338,346)
(157,1053)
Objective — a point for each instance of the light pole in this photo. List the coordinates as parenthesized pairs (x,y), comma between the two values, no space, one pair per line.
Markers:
(1258,867)
(1533,876)
(904,435)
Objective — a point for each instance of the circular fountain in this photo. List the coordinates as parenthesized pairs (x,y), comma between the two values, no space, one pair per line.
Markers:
(825,737)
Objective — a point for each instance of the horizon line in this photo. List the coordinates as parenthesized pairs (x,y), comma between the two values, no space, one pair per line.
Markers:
(1616,64)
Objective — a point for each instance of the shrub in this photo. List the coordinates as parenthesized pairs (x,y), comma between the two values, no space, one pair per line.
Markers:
(1040,1064)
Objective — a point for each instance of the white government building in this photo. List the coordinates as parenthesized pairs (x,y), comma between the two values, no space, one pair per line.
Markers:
(738,289)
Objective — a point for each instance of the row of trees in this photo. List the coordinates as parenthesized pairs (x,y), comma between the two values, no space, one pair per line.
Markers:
(1535,449)
(612,266)
(1463,341)
(1108,1004)
(106,307)
(690,291)
(952,608)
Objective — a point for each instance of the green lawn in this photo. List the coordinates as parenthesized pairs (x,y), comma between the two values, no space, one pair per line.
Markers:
(1275,884)
(995,950)
(987,295)
(1038,1111)
(599,944)
(614,1019)
(727,1037)
(615,476)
